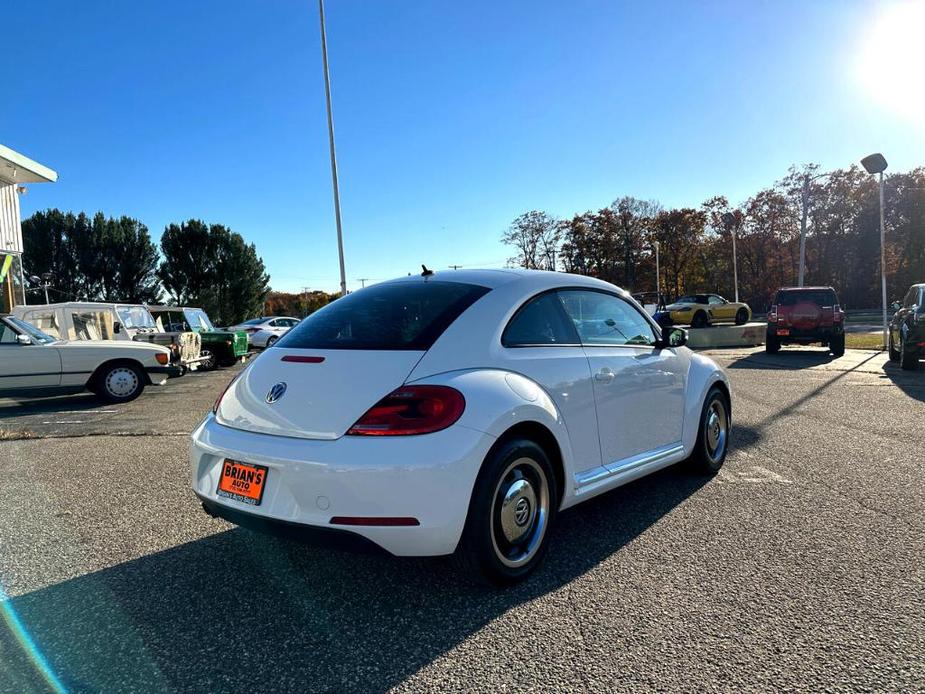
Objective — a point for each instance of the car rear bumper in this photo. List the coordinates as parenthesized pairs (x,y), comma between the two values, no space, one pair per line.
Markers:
(310,482)
(171,371)
(796,335)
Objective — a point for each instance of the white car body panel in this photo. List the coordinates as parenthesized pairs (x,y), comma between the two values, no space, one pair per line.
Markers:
(608,434)
(265,330)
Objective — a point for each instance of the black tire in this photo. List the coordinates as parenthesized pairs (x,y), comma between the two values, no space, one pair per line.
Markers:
(515,492)
(772,344)
(699,320)
(893,352)
(119,382)
(837,345)
(271,341)
(210,364)
(741,316)
(908,361)
(712,434)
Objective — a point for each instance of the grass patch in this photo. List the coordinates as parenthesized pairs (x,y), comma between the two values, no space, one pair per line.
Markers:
(864,341)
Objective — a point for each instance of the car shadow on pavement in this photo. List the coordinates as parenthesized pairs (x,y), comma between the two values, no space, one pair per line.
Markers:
(796,359)
(242,612)
(14,407)
(912,383)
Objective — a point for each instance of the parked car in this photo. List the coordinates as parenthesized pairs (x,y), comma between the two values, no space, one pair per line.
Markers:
(219,347)
(264,332)
(89,320)
(806,315)
(458,412)
(701,310)
(33,363)
(907,328)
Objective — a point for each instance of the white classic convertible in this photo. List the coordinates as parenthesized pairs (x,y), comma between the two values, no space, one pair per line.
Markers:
(35,364)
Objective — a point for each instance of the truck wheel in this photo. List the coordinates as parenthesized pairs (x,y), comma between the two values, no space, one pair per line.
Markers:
(699,320)
(837,345)
(210,363)
(512,509)
(741,316)
(712,435)
(772,344)
(894,353)
(119,382)
(908,361)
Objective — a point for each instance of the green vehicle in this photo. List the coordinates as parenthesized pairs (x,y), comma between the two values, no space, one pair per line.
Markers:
(219,347)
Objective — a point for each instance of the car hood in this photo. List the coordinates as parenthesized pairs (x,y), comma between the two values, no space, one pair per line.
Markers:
(111,345)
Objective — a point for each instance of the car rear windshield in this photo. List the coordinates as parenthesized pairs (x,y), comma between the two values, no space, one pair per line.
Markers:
(821,297)
(391,316)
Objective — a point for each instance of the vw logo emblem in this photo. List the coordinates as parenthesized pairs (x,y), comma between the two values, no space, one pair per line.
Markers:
(276,392)
(521,512)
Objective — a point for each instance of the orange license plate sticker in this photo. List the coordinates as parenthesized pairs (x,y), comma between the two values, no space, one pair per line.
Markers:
(242,482)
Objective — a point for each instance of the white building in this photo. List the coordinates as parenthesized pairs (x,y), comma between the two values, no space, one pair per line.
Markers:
(15,171)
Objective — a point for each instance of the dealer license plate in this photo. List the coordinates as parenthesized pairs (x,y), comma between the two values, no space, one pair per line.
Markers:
(242,482)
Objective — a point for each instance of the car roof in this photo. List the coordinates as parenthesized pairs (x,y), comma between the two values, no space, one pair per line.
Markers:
(493,278)
(804,289)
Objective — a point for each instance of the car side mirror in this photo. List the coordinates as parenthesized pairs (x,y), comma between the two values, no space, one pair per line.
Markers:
(673,337)
(895,306)
(117,327)
(24,339)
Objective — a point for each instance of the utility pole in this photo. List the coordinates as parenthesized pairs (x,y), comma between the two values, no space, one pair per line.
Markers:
(455,267)
(327,94)
(363,281)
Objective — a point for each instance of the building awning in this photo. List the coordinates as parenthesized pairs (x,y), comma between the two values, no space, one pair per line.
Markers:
(16,168)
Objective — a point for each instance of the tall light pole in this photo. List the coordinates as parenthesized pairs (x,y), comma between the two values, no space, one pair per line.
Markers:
(729,219)
(658,286)
(876,164)
(327,94)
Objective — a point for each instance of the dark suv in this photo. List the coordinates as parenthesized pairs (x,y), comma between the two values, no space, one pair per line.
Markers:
(907,329)
(806,315)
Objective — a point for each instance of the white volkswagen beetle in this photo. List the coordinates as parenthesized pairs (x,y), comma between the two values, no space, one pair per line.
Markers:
(33,363)
(458,413)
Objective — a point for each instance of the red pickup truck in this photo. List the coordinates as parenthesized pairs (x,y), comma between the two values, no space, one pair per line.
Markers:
(806,315)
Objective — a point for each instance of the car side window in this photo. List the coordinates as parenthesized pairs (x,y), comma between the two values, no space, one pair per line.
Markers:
(911,297)
(275,323)
(46,321)
(605,319)
(7,336)
(716,300)
(541,321)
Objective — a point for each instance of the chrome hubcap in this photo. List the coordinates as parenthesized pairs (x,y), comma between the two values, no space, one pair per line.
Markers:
(716,429)
(121,382)
(520,513)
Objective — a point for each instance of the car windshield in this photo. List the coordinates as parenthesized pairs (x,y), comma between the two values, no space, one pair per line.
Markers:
(693,299)
(136,317)
(390,316)
(821,297)
(198,320)
(30,330)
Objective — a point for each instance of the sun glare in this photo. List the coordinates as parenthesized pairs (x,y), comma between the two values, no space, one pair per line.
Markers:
(892,59)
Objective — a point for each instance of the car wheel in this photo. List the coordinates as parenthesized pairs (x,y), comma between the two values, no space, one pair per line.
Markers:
(512,508)
(772,344)
(908,361)
(209,364)
(741,316)
(893,352)
(120,382)
(837,345)
(712,435)
(699,320)
(271,340)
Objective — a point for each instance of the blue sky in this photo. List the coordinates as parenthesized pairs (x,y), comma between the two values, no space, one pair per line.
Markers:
(452,118)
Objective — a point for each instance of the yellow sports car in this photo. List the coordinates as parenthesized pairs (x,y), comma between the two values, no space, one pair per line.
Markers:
(701,310)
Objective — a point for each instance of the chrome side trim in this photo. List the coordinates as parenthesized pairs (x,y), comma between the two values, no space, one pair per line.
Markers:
(598,474)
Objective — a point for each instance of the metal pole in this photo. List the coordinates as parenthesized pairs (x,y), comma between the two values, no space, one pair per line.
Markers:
(735,265)
(883,265)
(658,286)
(45,285)
(803,229)
(22,279)
(327,94)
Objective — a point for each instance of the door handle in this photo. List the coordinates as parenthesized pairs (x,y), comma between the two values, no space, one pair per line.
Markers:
(605,375)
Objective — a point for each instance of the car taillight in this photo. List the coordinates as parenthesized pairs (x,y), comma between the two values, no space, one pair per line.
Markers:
(251,331)
(772,314)
(839,314)
(218,400)
(411,410)
(162,358)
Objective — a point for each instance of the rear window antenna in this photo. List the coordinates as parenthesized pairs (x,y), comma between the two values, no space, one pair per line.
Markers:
(426,273)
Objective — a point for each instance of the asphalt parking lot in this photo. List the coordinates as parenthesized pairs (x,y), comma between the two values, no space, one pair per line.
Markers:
(799,567)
